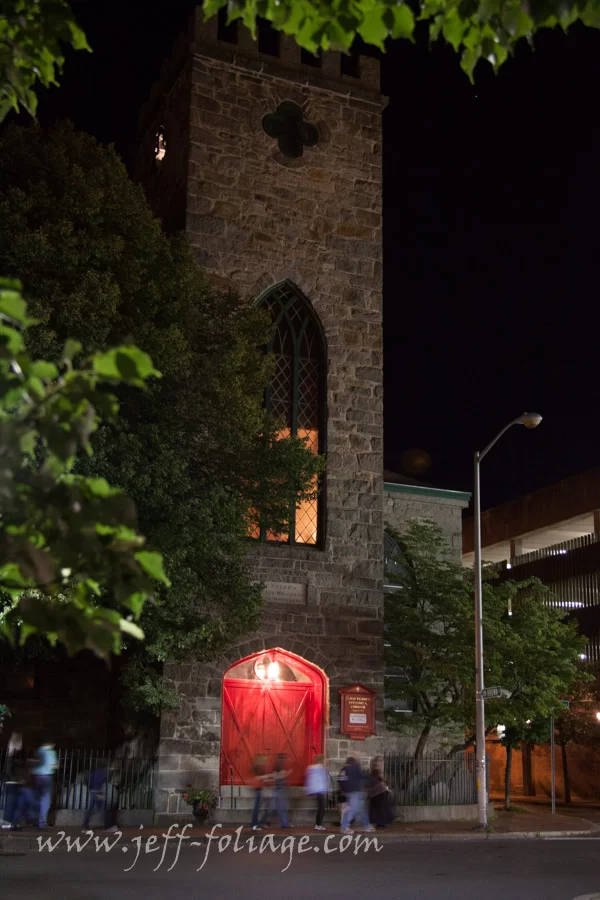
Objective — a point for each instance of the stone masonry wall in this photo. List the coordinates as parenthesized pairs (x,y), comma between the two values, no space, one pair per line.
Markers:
(401,507)
(345,642)
(256,218)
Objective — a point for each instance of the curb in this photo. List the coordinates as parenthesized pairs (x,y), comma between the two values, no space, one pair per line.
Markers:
(22,845)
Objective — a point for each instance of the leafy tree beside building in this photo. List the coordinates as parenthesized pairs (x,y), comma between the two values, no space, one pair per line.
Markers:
(429,620)
(197,452)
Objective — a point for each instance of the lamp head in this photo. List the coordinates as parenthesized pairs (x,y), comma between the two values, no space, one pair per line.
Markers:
(529,420)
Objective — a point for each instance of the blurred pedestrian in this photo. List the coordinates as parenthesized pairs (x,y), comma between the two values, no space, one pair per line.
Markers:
(352,783)
(12,776)
(26,806)
(279,799)
(380,807)
(97,794)
(316,784)
(43,772)
(259,778)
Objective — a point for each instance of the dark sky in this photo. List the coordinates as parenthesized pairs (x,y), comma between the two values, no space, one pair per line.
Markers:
(491,249)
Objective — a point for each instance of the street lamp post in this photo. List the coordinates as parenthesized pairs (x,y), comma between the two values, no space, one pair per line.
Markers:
(529,420)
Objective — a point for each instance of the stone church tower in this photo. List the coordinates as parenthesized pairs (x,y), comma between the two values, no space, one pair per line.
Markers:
(287,210)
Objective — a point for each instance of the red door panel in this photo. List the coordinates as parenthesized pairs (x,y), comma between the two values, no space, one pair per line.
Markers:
(268,718)
(241,729)
(288,710)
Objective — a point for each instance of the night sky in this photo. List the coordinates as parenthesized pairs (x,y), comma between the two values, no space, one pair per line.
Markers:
(491,250)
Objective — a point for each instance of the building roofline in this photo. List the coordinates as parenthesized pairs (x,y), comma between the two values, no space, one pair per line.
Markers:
(426,491)
(537,511)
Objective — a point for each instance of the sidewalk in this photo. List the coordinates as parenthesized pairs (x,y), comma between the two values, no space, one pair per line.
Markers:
(536,822)
(586,809)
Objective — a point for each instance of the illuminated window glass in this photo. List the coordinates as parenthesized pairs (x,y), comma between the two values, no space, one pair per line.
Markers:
(160,145)
(296,395)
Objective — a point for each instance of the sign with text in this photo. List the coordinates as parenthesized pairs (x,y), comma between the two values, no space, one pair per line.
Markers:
(495,693)
(284,592)
(358,712)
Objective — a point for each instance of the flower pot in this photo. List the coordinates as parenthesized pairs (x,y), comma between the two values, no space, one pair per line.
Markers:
(201,815)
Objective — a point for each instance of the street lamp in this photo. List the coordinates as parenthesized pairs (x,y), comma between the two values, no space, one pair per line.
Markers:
(529,420)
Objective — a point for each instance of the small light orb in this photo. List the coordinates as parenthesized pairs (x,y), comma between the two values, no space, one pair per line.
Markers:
(415,462)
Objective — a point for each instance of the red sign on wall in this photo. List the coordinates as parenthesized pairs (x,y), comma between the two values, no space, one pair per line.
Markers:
(358,712)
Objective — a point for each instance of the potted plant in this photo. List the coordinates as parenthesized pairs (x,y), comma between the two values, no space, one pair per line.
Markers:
(202,800)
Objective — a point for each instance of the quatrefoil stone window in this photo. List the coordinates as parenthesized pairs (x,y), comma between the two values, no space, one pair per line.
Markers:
(287,125)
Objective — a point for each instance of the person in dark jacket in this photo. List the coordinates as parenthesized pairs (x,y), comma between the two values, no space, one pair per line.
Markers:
(13,780)
(380,807)
(97,789)
(278,778)
(351,782)
(259,778)
(27,804)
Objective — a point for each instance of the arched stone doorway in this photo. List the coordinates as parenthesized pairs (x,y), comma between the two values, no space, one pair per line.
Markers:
(273,702)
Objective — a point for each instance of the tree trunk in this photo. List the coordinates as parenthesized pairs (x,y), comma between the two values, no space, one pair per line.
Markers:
(423,737)
(563,748)
(507,774)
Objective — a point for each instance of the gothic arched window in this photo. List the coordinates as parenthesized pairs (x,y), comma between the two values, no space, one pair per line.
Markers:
(297,393)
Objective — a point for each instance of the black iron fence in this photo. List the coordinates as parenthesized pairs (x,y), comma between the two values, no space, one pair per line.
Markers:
(129,785)
(431,780)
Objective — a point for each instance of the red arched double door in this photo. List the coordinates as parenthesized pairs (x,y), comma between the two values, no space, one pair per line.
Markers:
(273,702)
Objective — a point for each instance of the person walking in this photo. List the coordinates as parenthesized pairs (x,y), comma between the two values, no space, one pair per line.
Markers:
(12,777)
(259,778)
(316,784)
(26,805)
(43,773)
(380,807)
(98,794)
(351,781)
(279,777)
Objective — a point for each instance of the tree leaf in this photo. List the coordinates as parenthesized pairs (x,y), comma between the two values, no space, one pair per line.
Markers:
(132,629)
(43,370)
(152,563)
(404,22)
(125,364)
(71,349)
(372,28)
(13,308)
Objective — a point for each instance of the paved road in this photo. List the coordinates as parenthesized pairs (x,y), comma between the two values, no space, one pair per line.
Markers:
(491,870)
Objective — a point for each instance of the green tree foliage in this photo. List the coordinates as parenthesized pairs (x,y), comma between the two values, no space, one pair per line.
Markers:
(197,452)
(429,621)
(429,630)
(579,723)
(72,565)
(32,36)
(476,29)
(539,664)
